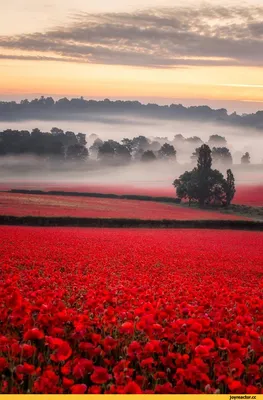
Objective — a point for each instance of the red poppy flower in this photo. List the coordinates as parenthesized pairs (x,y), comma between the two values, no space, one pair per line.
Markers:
(252,389)
(109,343)
(27,350)
(26,369)
(33,334)
(94,390)
(100,375)
(202,351)
(62,350)
(222,343)
(147,362)
(3,364)
(127,327)
(78,389)
(67,383)
(132,388)
(82,368)
(234,385)
(66,368)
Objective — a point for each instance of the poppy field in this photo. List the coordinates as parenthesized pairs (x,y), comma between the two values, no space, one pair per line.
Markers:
(48,206)
(130,311)
(250,195)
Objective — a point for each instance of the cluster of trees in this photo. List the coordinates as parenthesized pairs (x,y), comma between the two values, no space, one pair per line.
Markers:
(56,143)
(204,184)
(74,147)
(47,107)
(139,148)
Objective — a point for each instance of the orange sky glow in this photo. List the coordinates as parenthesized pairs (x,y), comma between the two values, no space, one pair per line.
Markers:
(41,53)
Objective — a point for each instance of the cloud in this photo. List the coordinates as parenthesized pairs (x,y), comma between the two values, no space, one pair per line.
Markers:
(158,38)
(35,58)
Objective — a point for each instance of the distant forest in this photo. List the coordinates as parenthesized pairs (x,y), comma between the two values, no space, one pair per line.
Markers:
(47,108)
(68,146)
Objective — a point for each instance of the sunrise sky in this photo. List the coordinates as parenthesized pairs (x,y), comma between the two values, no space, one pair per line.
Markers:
(199,53)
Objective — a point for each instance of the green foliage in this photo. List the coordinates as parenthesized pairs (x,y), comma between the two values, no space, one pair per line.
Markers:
(221,155)
(230,186)
(112,151)
(148,156)
(77,152)
(204,184)
(204,161)
(167,151)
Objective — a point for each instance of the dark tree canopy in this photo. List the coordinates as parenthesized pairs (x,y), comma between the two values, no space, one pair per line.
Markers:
(77,152)
(204,184)
(217,141)
(45,144)
(148,156)
(195,154)
(167,151)
(49,109)
(94,148)
(140,142)
(194,140)
(204,161)
(81,137)
(128,143)
(230,188)
(112,151)
(221,155)
(245,159)
(106,151)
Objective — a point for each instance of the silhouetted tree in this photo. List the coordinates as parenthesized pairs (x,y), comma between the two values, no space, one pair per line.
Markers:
(221,155)
(194,140)
(92,137)
(77,152)
(148,156)
(230,188)
(167,151)
(179,138)
(122,154)
(245,159)
(95,147)
(204,161)
(217,141)
(140,142)
(106,151)
(57,131)
(195,154)
(70,139)
(204,184)
(128,143)
(81,138)
(36,132)
(112,151)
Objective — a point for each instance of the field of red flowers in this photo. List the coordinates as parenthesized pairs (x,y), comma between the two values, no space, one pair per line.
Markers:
(92,207)
(251,195)
(130,311)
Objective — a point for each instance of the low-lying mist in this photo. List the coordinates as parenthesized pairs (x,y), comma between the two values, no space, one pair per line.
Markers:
(157,174)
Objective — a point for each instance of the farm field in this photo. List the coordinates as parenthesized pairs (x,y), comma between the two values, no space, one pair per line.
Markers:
(251,195)
(49,205)
(130,311)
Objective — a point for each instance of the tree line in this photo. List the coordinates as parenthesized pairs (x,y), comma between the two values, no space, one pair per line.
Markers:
(47,108)
(69,146)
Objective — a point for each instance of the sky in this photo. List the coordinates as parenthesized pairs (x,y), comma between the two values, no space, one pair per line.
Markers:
(166,51)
